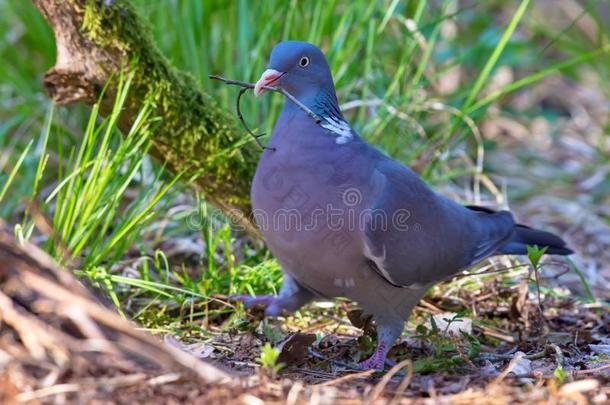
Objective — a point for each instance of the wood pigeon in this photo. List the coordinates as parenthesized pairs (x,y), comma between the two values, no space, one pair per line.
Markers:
(345,220)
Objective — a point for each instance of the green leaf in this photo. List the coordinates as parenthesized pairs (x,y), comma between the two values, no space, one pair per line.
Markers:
(534,254)
(14,171)
(421,330)
(269,357)
(493,58)
(434,326)
(560,374)
(583,279)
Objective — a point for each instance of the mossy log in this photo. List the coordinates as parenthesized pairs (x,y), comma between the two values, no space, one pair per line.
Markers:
(95,40)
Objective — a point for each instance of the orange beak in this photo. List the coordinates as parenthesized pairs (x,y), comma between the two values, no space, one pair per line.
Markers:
(268,77)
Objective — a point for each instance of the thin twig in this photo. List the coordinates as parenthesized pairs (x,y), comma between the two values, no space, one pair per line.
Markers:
(302,106)
(507,370)
(331,360)
(593,370)
(496,334)
(404,384)
(386,378)
(243,121)
(246,86)
(487,272)
(541,375)
(285,92)
(553,348)
(347,377)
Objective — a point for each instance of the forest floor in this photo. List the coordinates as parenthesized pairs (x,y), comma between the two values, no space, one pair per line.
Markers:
(561,355)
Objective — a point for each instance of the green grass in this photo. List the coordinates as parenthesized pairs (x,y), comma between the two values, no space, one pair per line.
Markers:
(105,199)
(95,222)
(382,60)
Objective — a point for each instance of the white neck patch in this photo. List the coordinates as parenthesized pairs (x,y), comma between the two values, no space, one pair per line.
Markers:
(338,127)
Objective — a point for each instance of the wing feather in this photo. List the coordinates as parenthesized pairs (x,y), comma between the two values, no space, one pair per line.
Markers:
(440,238)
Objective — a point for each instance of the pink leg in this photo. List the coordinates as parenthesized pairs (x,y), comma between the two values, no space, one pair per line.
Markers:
(249,301)
(292,296)
(388,330)
(376,361)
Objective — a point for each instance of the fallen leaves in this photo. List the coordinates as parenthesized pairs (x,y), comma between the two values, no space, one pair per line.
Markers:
(294,349)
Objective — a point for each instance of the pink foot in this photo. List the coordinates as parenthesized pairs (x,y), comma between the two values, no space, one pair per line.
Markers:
(269,302)
(376,361)
(372,363)
(249,301)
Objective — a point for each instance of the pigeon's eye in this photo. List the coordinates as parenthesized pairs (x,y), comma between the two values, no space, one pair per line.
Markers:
(304,61)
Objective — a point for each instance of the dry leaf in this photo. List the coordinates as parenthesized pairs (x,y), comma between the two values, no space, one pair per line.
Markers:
(294,349)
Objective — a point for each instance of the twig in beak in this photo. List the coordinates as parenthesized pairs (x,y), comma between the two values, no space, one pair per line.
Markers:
(243,121)
(302,106)
(246,86)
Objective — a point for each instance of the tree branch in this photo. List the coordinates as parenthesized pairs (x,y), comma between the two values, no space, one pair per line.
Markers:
(95,40)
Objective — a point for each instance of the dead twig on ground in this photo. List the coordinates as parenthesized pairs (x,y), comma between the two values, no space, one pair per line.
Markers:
(56,320)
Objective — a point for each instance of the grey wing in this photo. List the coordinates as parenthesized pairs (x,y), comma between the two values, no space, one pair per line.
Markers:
(427,237)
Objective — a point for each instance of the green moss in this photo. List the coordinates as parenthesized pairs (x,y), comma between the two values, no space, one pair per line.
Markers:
(194,133)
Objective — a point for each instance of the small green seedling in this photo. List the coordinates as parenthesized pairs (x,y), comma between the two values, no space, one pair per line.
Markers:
(560,374)
(534,254)
(268,360)
(449,351)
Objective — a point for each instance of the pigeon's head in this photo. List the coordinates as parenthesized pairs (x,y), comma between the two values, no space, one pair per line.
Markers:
(298,67)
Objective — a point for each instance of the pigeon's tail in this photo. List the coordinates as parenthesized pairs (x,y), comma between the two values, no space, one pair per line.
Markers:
(524,236)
